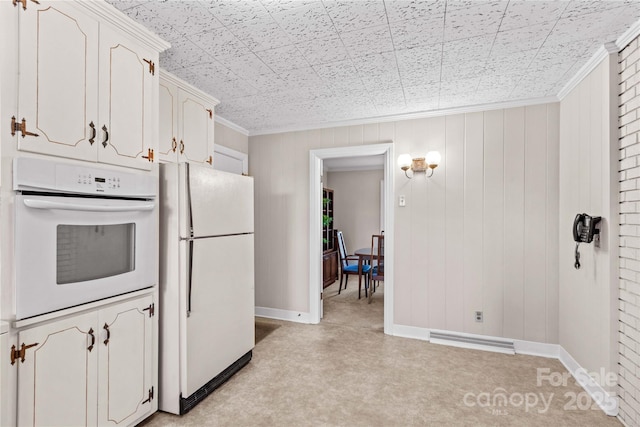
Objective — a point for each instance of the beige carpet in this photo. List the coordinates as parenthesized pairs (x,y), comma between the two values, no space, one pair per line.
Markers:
(346,372)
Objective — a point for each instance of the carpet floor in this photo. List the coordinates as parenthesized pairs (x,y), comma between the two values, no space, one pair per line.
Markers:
(346,372)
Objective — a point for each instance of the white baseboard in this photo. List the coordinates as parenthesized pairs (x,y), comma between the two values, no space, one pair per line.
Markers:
(532,348)
(275,313)
(606,402)
(412,332)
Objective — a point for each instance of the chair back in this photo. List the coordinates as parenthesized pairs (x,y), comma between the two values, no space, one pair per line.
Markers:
(376,259)
(342,249)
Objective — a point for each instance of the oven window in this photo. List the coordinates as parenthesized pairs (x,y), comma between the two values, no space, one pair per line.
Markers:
(89,252)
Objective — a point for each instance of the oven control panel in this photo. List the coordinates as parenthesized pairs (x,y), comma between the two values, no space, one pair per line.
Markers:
(30,174)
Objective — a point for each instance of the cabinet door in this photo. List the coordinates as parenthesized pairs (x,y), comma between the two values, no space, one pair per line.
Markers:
(57,380)
(125,360)
(168,122)
(127,112)
(196,129)
(58,81)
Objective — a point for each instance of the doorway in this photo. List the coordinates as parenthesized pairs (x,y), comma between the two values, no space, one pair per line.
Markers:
(316,168)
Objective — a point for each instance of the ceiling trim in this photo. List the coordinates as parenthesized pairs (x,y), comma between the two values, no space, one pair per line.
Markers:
(410,116)
(231,125)
(133,29)
(603,52)
(628,36)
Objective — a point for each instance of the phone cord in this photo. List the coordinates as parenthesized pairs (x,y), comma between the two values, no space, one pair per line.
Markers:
(577,263)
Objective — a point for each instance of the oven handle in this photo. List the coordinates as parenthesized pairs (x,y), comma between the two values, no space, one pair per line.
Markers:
(45,204)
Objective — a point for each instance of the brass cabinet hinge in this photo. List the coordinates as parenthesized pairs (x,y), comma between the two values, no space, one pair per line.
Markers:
(24,3)
(152,66)
(210,112)
(149,396)
(149,155)
(20,127)
(20,353)
(151,309)
(210,160)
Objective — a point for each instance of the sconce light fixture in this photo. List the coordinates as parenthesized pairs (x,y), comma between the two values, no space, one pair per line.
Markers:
(419,164)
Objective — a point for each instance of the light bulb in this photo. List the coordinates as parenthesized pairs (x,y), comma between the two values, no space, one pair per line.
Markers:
(404,161)
(433,159)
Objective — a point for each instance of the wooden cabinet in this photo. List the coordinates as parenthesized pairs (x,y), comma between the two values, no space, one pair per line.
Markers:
(329,249)
(93,368)
(186,122)
(87,90)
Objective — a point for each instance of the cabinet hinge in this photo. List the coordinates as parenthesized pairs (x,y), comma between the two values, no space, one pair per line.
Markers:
(151,309)
(210,112)
(20,127)
(24,3)
(210,160)
(20,353)
(152,66)
(149,155)
(150,396)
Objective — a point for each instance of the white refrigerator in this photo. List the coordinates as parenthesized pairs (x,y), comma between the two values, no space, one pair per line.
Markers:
(206,281)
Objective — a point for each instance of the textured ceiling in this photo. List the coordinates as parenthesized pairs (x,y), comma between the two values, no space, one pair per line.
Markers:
(278,64)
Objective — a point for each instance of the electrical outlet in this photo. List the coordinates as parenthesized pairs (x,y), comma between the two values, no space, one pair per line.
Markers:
(402,201)
(479,316)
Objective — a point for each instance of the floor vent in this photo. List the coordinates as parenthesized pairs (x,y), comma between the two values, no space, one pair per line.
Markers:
(465,341)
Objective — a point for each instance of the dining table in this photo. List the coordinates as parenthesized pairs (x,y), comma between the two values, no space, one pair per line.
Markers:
(363,255)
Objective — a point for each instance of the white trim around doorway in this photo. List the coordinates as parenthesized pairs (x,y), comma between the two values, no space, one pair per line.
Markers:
(316,158)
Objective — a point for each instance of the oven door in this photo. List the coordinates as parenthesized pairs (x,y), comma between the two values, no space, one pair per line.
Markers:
(71,250)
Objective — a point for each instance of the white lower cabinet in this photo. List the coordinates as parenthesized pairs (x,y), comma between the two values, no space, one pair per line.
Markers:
(89,369)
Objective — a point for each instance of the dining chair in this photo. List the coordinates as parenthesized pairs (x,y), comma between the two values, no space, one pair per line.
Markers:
(349,269)
(376,261)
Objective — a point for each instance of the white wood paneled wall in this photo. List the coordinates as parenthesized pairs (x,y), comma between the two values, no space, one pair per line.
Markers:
(588,163)
(481,234)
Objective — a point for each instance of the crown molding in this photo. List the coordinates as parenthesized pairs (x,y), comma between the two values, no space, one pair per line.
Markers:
(106,12)
(410,116)
(601,54)
(187,87)
(231,125)
(628,36)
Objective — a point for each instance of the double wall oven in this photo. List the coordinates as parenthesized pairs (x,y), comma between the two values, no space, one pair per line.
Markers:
(81,234)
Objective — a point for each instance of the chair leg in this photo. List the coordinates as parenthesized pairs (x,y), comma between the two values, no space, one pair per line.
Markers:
(340,287)
(366,285)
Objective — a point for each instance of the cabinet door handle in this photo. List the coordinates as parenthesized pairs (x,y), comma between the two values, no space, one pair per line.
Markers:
(181,147)
(106,328)
(93,133)
(106,136)
(93,339)
(174,144)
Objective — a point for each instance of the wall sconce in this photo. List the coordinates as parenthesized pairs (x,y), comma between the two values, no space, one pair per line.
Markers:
(419,164)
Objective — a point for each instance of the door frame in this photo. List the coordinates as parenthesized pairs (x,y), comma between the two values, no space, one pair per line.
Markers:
(316,158)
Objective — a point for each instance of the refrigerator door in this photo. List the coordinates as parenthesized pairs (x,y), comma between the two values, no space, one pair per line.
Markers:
(220,327)
(220,203)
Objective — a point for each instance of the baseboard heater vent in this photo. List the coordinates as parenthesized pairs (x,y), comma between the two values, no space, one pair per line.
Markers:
(465,341)
(187,404)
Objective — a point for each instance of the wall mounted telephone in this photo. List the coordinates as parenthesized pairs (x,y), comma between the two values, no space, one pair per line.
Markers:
(584,231)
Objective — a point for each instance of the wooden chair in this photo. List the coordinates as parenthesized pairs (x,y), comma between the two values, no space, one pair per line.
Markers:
(376,260)
(347,269)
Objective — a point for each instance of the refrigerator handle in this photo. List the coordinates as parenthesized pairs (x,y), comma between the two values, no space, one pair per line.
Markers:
(189,212)
(190,275)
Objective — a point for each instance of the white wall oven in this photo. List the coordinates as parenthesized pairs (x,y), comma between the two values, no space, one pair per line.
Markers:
(81,234)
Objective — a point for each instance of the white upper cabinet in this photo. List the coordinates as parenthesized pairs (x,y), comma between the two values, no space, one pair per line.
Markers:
(186,122)
(127,95)
(87,88)
(58,91)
